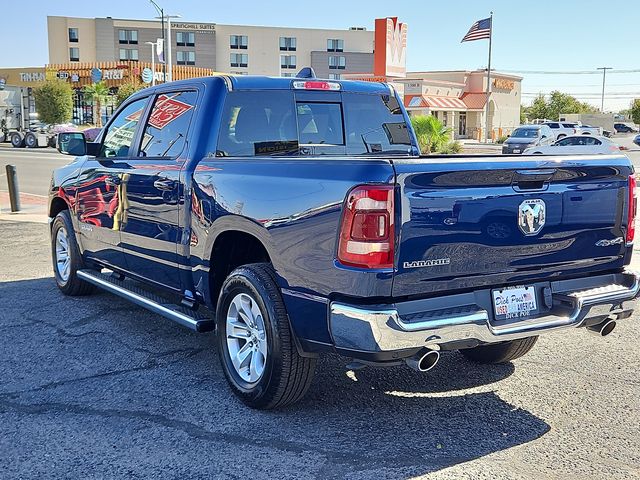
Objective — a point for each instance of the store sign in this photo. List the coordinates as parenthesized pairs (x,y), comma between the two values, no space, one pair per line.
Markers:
(32,77)
(504,84)
(389,57)
(194,26)
(63,75)
(96,75)
(147,75)
(117,74)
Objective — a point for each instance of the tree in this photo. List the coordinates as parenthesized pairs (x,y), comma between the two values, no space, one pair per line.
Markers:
(432,135)
(634,111)
(98,93)
(557,104)
(126,90)
(54,101)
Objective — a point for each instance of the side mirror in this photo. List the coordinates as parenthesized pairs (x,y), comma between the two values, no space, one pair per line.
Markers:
(72,143)
(544,136)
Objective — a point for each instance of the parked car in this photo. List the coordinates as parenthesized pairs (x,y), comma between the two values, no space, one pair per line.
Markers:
(563,129)
(576,144)
(527,136)
(295,217)
(624,128)
(589,130)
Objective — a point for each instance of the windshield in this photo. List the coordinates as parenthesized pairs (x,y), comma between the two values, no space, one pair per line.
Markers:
(525,133)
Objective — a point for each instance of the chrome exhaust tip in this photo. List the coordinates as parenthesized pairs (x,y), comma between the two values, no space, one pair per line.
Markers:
(424,362)
(603,329)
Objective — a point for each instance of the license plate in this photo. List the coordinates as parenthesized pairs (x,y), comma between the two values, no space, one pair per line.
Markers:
(516,150)
(513,303)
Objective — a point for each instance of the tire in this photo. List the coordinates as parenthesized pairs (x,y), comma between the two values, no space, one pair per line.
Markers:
(251,291)
(500,352)
(537,153)
(66,277)
(16,140)
(562,135)
(30,140)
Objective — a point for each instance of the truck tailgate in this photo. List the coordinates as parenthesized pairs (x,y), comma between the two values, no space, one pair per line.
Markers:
(470,222)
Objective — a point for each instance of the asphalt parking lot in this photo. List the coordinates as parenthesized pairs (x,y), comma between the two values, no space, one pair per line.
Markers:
(94,387)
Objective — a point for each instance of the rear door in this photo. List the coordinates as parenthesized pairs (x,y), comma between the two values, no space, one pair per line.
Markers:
(152,232)
(469,223)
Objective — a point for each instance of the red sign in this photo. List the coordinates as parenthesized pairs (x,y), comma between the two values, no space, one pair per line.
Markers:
(165,111)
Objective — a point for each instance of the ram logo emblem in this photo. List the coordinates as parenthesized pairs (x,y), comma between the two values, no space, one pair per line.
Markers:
(531,216)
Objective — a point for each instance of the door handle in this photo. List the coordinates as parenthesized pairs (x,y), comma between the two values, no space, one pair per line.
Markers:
(112,181)
(164,184)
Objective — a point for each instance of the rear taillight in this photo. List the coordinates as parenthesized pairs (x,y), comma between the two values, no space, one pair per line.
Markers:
(316,85)
(367,229)
(633,206)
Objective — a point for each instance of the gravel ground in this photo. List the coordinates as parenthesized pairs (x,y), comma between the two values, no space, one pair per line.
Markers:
(97,388)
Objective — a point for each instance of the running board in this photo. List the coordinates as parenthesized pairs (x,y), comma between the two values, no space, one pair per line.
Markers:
(191,319)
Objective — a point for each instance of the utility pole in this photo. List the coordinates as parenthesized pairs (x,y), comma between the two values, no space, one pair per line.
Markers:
(164,43)
(170,69)
(604,76)
(486,115)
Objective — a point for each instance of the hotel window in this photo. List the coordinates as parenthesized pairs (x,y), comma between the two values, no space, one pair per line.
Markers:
(74,54)
(73,35)
(337,63)
(186,58)
(335,45)
(128,37)
(287,61)
(239,41)
(186,39)
(335,76)
(129,54)
(288,44)
(239,60)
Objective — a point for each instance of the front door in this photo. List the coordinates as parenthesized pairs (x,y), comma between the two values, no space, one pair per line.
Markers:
(100,200)
(462,125)
(152,232)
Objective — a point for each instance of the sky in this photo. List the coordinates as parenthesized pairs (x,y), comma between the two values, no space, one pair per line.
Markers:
(532,36)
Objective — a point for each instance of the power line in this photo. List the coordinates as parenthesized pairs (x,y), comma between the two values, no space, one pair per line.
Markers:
(566,72)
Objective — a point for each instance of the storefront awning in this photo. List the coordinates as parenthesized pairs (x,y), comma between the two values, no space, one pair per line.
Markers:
(434,103)
(474,101)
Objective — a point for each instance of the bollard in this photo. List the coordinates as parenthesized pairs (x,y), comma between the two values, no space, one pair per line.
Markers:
(12,182)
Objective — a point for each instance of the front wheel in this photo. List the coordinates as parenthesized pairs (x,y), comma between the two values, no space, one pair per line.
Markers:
(500,352)
(16,140)
(66,257)
(255,344)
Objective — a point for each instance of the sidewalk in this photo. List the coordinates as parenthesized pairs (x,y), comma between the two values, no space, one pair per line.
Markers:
(33,208)
(475,147)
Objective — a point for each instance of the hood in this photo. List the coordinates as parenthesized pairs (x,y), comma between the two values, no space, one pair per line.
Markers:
(520,140)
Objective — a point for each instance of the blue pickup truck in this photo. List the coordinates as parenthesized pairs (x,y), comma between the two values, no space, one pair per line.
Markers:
(295,216)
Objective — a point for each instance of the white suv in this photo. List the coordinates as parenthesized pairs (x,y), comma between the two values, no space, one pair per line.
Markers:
(563,129)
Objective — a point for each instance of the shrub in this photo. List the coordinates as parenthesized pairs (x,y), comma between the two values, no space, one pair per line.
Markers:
(451,148)
(54,101)
(502,139)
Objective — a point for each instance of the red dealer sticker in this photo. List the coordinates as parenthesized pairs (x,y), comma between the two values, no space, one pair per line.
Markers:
(165,111)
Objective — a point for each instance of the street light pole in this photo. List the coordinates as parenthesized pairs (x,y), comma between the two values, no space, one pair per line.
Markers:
(604,76)
(170,68)
(164,44)
(153,61)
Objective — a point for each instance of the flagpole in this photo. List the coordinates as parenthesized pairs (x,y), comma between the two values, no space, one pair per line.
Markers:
(487,135)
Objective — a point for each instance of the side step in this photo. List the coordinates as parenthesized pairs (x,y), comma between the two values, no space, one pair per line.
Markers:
(192,319)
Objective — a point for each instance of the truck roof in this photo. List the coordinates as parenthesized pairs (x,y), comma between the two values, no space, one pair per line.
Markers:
(256,82)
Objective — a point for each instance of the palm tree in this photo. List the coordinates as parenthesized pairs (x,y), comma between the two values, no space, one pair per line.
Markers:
(431,132)
(99,93)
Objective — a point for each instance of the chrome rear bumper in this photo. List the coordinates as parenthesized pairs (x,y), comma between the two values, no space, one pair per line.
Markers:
(467,319)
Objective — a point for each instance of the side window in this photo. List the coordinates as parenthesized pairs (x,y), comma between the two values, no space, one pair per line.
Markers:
(119,136)
(374,123)
(565,142)
(553,125)
(165,133)
(319,123)
(257,124)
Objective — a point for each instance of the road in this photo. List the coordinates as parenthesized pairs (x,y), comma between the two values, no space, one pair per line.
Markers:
(94,387)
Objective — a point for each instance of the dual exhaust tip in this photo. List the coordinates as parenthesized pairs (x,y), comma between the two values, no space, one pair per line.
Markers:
(423,362)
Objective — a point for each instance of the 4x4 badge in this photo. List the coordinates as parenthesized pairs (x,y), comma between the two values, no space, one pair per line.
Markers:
(531,216)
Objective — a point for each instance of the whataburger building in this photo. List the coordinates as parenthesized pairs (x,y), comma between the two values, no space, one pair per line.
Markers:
(83,51)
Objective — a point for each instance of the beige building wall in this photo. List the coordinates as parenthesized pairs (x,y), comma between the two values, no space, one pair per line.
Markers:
(59,44)
(264,46)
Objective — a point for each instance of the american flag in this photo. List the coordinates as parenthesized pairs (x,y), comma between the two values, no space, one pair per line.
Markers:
(479,30)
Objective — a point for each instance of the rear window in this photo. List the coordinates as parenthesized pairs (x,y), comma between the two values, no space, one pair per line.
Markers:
(569,125)
(274,123)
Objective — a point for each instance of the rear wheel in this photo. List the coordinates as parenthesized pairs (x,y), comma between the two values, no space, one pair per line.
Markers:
(562,135)
(255,343)
(500,352)
(66,257)
(30,140)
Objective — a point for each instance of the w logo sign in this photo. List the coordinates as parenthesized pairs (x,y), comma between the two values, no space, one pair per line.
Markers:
(390,61)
